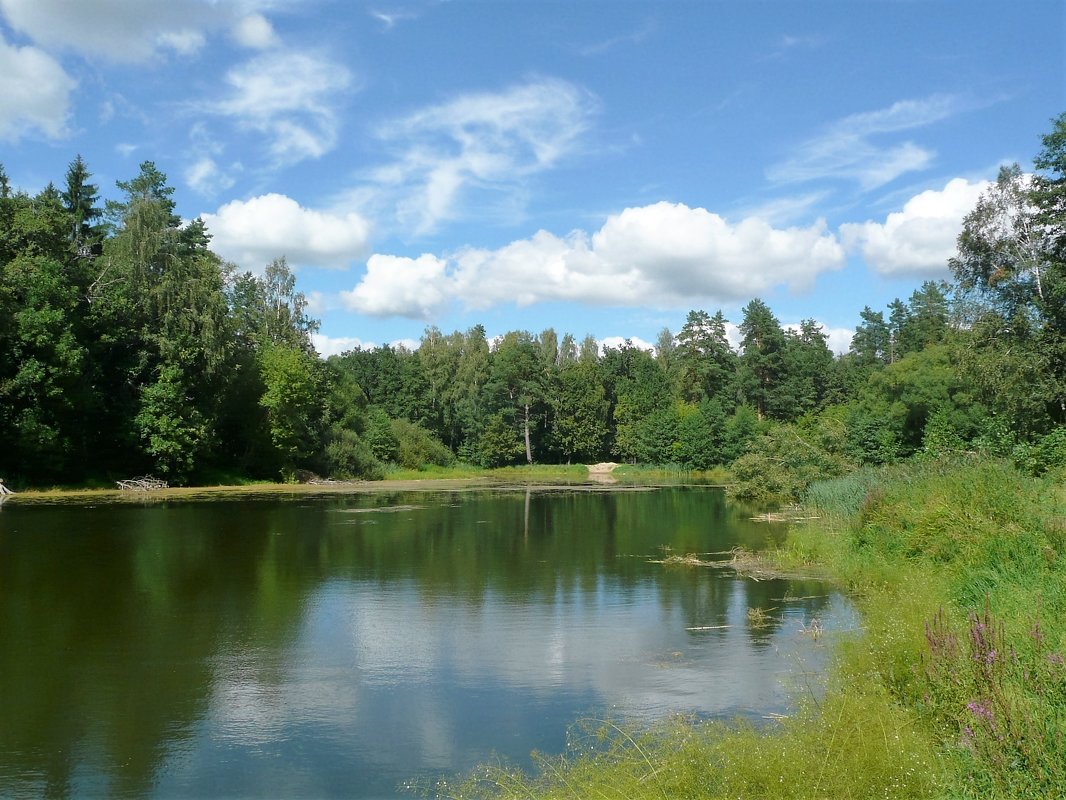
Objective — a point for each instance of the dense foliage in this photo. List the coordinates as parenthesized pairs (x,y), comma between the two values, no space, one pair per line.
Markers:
(130,347)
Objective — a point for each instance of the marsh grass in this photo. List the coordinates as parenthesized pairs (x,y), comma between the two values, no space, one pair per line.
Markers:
(849,744)
(955,687)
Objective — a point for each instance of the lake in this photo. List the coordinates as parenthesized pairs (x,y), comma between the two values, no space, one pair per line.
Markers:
(351,645)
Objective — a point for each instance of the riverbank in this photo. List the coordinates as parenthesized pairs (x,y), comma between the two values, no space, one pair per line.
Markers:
(955,688)
(441,479)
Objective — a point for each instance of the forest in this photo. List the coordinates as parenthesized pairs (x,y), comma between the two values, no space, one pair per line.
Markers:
(131,348)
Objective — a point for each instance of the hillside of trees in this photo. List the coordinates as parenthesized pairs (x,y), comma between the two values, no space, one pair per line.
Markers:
(129,347)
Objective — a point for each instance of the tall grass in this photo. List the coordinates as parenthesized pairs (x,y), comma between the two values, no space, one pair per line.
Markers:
(956,687)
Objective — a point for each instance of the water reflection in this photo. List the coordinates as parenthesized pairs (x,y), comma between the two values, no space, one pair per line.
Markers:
(337,646)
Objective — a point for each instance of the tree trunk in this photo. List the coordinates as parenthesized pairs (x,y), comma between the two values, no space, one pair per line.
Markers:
(525,429)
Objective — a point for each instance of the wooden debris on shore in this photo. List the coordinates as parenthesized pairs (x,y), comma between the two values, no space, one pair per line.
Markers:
(4,491)
(316,481)
(145,484)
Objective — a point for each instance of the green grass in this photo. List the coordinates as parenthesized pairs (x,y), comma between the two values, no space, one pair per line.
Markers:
(567,473)
(956,687)
(534,472)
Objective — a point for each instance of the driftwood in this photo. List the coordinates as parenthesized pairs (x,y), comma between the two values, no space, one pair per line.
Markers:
(3,489)
(145,484)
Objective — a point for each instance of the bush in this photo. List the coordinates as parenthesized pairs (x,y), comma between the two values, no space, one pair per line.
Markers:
(416,447)
(348,456)
(780,465)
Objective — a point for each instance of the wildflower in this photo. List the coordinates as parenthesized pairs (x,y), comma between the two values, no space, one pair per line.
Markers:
(981,711)
(1036,633)
(967,736)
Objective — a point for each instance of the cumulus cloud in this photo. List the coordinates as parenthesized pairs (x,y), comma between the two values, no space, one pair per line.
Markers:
(403,287)
(336,345)
(839,339)
(919,240)
(290,98)
(853,148)
(253,232)
(485,143)
(35,91)
(664,254)
(120,30)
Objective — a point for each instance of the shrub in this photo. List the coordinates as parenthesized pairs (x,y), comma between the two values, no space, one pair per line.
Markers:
(416,447)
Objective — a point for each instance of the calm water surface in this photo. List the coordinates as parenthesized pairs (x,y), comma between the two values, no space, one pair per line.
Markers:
(341,646)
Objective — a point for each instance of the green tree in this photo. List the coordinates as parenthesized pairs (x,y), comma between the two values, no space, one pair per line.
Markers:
(80,200)
(285,320)
(699,435)
(517,383)
(581,412)
(762,360)
(636,388)
(927,319)
(872,342)
(498,445)
(1003,251)
(471,379)
(808,364)
(293,400)
(705,363)
(172,429)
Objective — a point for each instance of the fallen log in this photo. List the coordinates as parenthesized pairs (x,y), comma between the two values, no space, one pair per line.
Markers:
(145,484)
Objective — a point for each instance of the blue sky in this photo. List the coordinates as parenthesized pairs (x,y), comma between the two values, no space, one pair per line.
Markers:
(596,167)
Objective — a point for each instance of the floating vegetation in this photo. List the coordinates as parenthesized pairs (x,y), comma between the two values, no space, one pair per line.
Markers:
(813,629)
(744,563)
(759,617)
(381,509)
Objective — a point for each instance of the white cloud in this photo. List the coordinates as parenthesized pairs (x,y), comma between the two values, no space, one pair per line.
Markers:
(785,209)
(207,178)
(291,99)
(666,255)
(183,41)
(483,144)
(837,340)
(334,346)
(403,287)
(253,232)
(849,150)
(255,31)
(119,30)
(35,93)
(617,341)
(390,18)
(919,240)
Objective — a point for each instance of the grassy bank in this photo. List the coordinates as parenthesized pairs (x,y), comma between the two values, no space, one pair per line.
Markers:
(398,477)
(955,688)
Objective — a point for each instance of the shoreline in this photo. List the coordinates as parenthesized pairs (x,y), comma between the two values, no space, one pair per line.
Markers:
(591,483)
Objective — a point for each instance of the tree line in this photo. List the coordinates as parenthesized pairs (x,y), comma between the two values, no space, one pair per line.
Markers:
(129,347)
